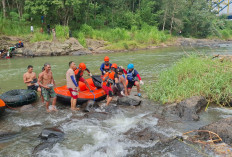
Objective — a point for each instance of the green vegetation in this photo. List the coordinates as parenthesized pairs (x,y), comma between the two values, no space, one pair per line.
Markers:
(194,76)
(124,24)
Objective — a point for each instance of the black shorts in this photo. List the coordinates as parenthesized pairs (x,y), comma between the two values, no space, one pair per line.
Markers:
(33,87)
(130,84)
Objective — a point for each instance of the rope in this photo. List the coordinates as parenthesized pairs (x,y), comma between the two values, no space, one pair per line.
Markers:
(93,95)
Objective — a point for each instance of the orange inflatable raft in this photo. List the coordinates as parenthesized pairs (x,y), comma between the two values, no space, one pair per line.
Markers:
(98,94)
(2,106)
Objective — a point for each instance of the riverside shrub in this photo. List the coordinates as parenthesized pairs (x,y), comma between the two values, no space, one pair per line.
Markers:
(194,76)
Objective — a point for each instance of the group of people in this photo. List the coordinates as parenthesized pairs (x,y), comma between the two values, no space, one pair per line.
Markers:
(115,81)
(4,53)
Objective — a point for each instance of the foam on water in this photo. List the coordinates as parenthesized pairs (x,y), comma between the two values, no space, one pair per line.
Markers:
(26,122)
(106,137)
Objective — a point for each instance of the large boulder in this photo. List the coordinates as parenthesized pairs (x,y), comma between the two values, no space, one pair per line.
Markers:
(49,137)
(222,127)
(129,101)
(55,48)
(187,109)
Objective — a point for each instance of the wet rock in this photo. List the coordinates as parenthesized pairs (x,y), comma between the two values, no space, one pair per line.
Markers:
(129,101)
(27,108)
(146,135)
(79,53)
(51,134)
(97,115)
(187,109)
(90,106)
(6,136)
(111,109)
(169,147)
(222,127)
(49,137)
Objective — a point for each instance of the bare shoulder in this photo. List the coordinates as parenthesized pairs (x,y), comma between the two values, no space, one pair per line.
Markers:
(25,74)
(41,74)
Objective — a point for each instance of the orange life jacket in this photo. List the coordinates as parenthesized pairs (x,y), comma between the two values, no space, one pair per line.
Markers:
(78,73)
(108,78)
(107,67)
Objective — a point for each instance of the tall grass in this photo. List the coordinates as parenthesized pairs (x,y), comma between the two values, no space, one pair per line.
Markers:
(194,76)
(14,28)
(120,38)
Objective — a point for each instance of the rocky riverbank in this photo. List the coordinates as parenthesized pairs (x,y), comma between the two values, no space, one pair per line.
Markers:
(73,47)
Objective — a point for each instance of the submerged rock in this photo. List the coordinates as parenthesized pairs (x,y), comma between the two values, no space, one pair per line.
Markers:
(187,109)
(90,106)
(97,115)
(49,137)
(129,101)
(6,136)
(222,127)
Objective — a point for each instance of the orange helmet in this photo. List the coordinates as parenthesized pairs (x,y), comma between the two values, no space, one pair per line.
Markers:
(106,59)
(82,66)
(114,65)
(19,41)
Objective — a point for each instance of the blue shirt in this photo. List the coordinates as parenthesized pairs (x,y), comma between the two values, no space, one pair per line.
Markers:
(102,68)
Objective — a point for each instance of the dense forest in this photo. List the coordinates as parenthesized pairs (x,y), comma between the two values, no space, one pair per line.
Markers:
(194,18)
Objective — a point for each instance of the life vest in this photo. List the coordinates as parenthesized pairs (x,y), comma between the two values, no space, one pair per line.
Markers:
(130,75)
(78,73)
(106,67)
(108,78)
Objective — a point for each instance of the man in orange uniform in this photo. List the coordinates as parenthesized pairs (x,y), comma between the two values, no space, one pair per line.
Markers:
(105,67)
(109,79)
(79,74)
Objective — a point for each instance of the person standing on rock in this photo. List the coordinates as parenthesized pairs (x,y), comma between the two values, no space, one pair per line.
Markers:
(30,79)
(47,83)
(109,79)
(79,74)
(122,82)
(72,85)
(133,78)
(106,66)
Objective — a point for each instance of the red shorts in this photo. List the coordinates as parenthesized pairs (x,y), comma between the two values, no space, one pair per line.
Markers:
(73,93)
(108,90)
(81,79)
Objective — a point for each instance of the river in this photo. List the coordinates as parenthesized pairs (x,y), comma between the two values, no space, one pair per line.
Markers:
(111,137)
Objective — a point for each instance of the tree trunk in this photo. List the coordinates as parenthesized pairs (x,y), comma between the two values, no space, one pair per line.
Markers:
(18,7)
(4,8)
(173,16)
(133,6)
(165,17)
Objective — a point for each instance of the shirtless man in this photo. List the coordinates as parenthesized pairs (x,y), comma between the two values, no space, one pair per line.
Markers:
(47,83)
(29,78)
(39,89)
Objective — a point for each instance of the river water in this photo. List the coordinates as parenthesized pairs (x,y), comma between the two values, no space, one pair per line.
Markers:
(108,137)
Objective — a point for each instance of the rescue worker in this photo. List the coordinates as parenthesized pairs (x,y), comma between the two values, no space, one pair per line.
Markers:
(19,45)
(106,66)
(109,79)
(133,78)
(122,82)
(79,74)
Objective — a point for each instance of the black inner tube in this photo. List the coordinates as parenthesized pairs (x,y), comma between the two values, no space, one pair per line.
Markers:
(19,97)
